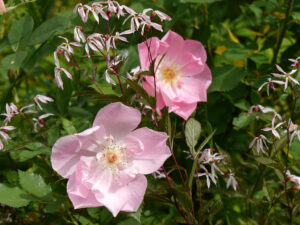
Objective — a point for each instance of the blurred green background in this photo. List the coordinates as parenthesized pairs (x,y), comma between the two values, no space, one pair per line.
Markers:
(243,40)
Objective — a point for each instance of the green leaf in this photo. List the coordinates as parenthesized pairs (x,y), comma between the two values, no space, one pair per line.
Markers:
(141,91)
(35,148)
(183,198)
(192,132)
(129,221)
(47,29)
(68,126)
(23,155)
(34,184)
(83,220)
(14,61)
(243,120)
(260,59)
(210,209)
(132,61)
(206,140)
(225,78)
(269,162)
(53,206)
(13,196)
(107,98)
(20,31)
(63,96)
(294,149)
(137,215)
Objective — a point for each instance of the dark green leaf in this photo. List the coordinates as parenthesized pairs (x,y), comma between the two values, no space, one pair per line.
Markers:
(225,78)
(20,31)
(13,196)
(34,184)
(47,29)
(14,61)
(192,132)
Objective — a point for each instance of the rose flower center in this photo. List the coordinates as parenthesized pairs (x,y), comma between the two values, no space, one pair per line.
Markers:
(111,157)
(168,74)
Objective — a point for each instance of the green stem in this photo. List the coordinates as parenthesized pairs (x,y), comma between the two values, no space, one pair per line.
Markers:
(192,173)
(281,35)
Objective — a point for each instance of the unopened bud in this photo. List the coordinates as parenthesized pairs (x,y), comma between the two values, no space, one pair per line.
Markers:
(153,14)
(61,51)
(111,70)
(108,14)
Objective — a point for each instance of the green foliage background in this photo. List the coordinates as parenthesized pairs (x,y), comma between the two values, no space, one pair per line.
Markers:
(240,36)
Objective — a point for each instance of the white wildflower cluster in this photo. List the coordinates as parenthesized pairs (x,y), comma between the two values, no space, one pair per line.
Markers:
(211,159)
(260,142)
(105,44)
(287,76)
(12,111)
(276,128)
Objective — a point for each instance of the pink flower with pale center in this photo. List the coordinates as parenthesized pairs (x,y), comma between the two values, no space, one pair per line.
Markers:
(106,163)
(182,77)
(2,7)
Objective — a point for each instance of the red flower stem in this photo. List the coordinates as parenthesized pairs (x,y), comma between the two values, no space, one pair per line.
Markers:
(175,200)
(120,83)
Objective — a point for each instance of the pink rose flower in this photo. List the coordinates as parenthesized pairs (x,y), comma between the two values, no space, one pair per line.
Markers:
(2,7)
(182,77)
(106,163)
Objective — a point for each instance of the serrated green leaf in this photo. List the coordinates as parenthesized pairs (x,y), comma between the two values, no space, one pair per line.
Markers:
(13,196)
(34,184)
(68,126)
(225,78)
(192,132)
(37,146)
(20,31)
(23,155)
